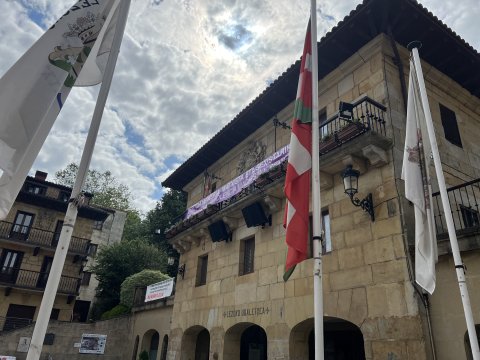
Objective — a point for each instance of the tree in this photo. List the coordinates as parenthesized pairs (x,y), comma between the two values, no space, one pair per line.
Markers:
(106,190)
(117,262)
(143,278)
(158,220)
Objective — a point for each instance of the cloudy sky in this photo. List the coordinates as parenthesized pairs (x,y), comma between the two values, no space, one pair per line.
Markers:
(186,68)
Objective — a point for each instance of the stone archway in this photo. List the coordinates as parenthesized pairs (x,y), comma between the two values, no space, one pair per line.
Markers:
(196,343)
(245,341)
(342,339)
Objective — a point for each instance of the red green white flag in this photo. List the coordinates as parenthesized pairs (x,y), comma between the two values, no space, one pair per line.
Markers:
(299,169)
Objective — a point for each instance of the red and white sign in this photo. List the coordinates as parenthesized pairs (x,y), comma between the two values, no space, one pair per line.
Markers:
(159,290)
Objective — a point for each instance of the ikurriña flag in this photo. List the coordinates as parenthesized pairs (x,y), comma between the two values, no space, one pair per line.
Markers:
(418,187)
(299,169)
(32,92)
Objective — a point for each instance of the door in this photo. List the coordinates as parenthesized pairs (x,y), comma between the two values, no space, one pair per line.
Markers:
(44,272)
(58,230)
(9,265)
(21,225)
(18,316)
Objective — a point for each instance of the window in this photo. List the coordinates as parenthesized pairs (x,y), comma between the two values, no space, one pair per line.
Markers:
(22,224)
(322,118)
(202,270)
(9,265)
(450,126)
(64,196)
(469,216)
(35,189)
(327,240)
(98,225)
(92,249)
(86,276)
(54,314)
(247,256)
(214,187)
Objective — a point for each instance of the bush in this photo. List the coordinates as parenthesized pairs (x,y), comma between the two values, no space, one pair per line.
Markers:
(143,355)
(115,312)
(143,278)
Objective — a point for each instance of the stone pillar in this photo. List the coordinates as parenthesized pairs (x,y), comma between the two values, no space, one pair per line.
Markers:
(217,335)
(175,344)
(278,342)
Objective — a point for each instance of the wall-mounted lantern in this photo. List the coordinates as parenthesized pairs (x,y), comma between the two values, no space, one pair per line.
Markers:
(350,182)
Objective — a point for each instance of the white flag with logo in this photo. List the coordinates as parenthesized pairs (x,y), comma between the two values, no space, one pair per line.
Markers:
(418,187)
(34,89)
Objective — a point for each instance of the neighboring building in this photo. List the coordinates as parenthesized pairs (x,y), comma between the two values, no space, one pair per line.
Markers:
(28,238)
(231,301)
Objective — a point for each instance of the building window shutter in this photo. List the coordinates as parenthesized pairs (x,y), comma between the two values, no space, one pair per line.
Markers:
(450,126)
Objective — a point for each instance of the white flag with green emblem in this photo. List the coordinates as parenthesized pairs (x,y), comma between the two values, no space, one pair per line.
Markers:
(33,90)
(418,190)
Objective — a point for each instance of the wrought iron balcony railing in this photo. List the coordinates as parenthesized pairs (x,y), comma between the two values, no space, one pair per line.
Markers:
(11,323)
(39,237)
(27,279)
(367,115)
(464,204)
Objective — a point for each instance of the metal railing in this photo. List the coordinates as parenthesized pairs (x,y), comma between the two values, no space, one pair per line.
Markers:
(27,279)
(367,115)
(39,237)
(11,323)
(464,204)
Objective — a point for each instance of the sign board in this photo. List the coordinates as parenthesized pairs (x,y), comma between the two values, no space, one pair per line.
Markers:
(23,345)
(3,357)
(77,345)
(92,344)
(159,290)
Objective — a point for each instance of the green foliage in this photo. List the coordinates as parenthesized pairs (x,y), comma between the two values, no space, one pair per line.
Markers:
(106,190)
(158,220)
(134,228)
(143,355)
(115,312)
(143,278)
(117,262)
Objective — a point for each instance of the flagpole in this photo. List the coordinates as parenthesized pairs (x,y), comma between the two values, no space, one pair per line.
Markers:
(316,201)
(54,277)
(459,267)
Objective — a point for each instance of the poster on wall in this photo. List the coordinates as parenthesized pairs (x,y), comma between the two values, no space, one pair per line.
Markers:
(23,344)
(159,290)
(3,357)
(92,344)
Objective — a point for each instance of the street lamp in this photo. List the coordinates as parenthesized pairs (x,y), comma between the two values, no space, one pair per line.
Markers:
(350,183)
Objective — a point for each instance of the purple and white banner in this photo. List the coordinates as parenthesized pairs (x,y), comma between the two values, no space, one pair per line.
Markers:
(239,183)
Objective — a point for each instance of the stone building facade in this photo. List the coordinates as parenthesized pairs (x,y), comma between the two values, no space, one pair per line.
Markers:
(231,301)
(28,238)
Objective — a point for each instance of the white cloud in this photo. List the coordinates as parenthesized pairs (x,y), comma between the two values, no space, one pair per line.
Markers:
(186,68)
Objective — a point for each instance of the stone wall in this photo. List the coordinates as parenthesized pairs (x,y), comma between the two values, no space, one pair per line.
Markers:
(67,334)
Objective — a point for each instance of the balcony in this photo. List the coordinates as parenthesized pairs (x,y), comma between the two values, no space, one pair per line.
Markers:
(34,280)
(40,238)
(13,323)
(357,140)
(463,201)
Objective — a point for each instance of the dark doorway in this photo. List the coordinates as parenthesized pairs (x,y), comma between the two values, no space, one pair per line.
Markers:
(342,341)
(56,234)
(18,316)
(253,344)
(202,346)
(9,265)
(154,346)
(80,310)
(163,355)
(44,271)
